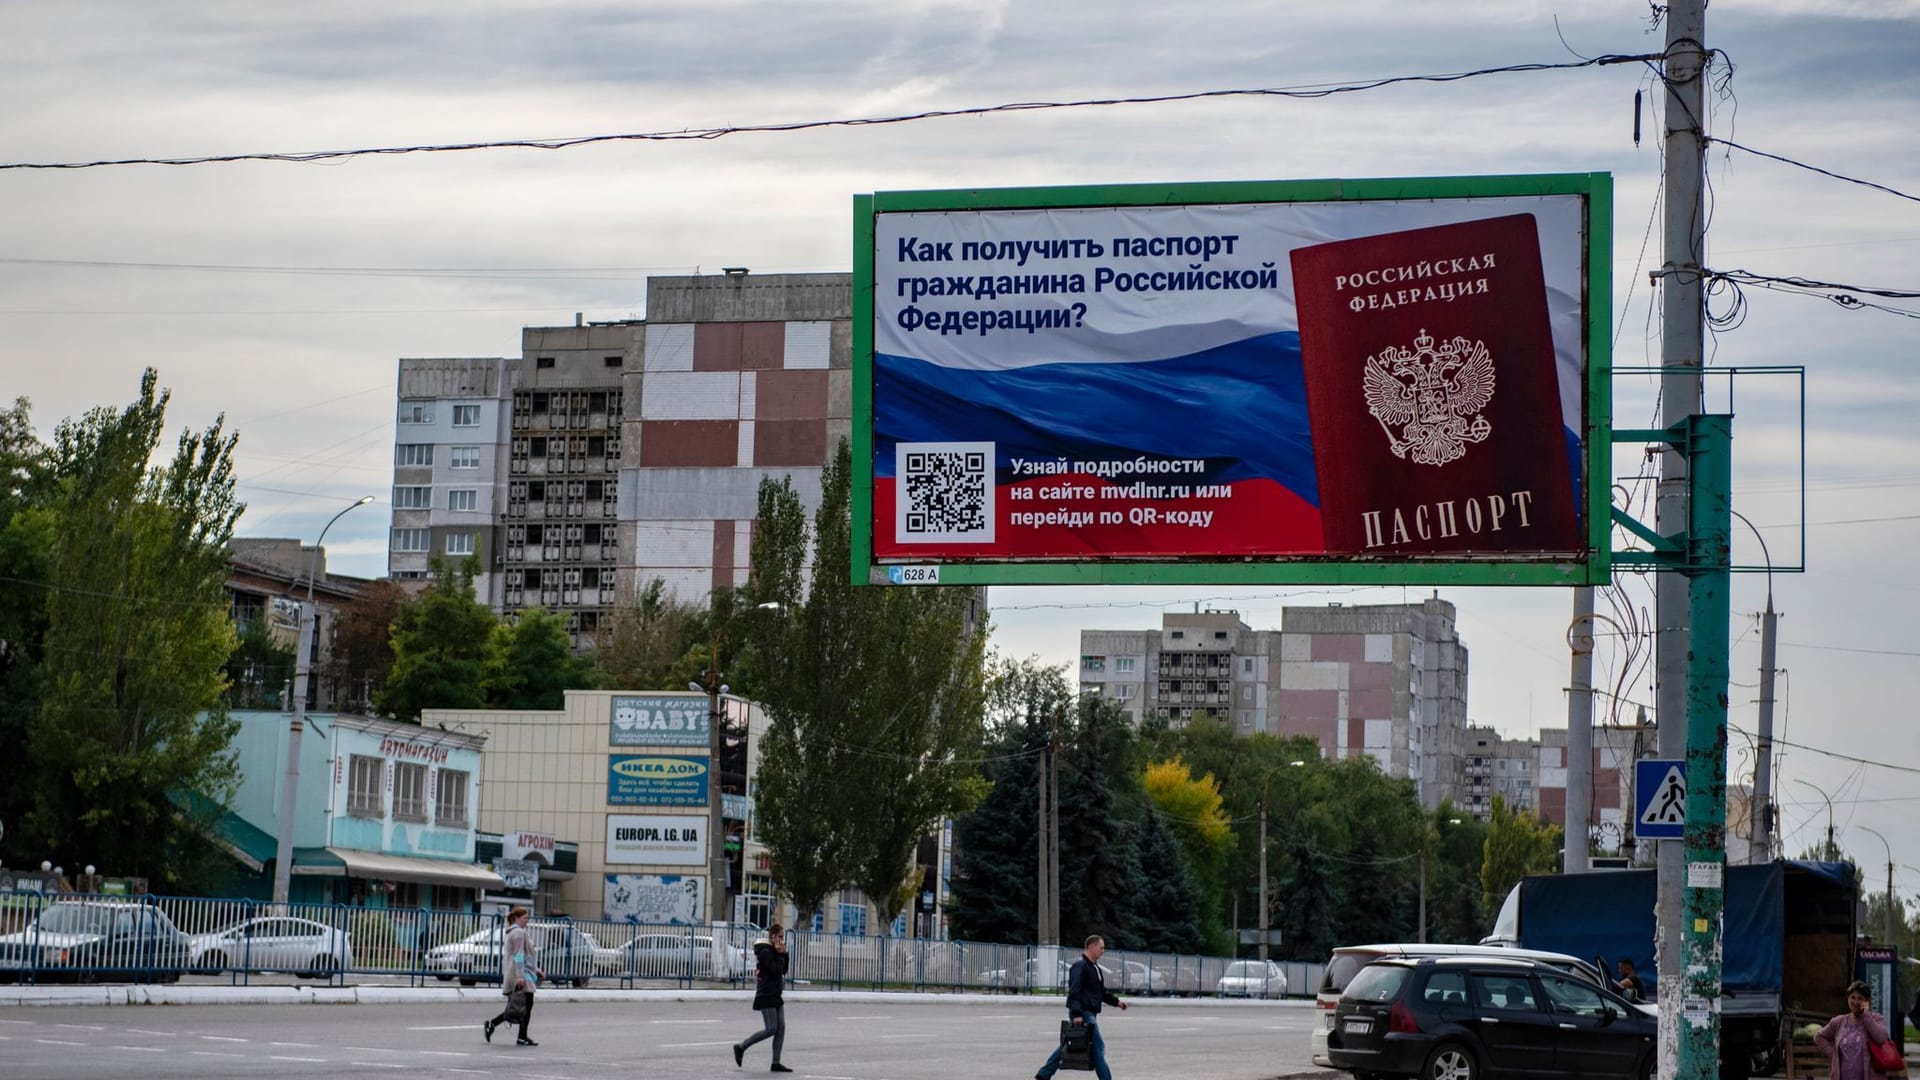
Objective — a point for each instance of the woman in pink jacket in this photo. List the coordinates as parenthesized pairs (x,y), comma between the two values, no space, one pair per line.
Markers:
(1846,1037)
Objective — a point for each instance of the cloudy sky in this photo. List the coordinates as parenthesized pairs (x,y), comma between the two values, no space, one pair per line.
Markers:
(281,293)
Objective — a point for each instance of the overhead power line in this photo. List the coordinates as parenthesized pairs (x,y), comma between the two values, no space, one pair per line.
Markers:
(1731,145)
(685,134)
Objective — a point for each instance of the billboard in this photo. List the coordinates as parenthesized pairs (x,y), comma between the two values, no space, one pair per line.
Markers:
(1392,381)
(654,899)
(656,839)
(660,720)
(656,780)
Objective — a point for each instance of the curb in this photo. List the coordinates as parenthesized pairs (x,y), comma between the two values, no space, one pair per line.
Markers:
(29,996)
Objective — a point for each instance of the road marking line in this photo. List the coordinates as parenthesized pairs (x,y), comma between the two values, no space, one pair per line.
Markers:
(280,1057)
(222,1038)
(297,1046)
(81,1027)
(443,1027)
(474,1072)
(58,1042)
(376,1064)
(683,1021)
(213,1053)
(144,1031)
(370,1049)
(142,1049)
(445,1053)
(28,1023)
(676,1046)
(909,1035)
(863,1018)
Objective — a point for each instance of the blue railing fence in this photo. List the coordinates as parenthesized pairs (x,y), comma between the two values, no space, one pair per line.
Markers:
(91,938)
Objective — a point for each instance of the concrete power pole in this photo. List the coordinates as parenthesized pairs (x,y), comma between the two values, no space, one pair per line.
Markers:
(1682,1047)
(1761,815)
(1263,877)
(1043,851)
(1579,737)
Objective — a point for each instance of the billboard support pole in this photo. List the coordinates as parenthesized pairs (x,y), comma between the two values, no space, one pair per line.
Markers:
(1682,321)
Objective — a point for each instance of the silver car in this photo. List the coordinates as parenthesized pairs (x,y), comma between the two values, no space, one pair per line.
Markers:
(1253,978)
(667,955)
(273,943)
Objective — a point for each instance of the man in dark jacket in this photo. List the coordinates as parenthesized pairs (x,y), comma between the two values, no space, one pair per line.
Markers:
(769,974)
(1086,992)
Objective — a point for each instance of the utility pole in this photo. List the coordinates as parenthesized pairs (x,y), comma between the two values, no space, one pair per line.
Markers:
(1579,740)
(1688,951)
(1044,848)
(1891,939)
(1762,812)
(1263,874)
(1053,834)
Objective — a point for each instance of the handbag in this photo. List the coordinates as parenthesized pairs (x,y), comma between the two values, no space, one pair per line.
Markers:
(518,1004)
(1886,1060)
(1076,1046)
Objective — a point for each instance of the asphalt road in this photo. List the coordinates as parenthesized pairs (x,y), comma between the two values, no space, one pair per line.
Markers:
(913,1038)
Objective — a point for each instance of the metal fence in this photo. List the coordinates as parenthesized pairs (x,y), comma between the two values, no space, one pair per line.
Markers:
(76,938)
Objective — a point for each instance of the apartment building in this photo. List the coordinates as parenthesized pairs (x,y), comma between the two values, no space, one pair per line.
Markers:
(1388,681)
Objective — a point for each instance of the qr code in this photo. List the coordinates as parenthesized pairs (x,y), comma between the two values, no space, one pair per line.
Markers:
(944,492)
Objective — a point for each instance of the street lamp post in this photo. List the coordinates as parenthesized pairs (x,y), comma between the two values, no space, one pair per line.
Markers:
(1833,853)
(1890,938)
(289,791)
(716,851)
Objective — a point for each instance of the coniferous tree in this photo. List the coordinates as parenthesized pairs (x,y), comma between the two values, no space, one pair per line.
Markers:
(1164,912)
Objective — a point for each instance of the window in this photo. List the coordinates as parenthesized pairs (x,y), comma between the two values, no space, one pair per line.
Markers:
(413,454)
(459,543)
(416,412)
(1446,987)
(612,361)
(463,499)
(409,791)
(1511,992)
(1579,999)
(1246,665)
(1124,691)
(466,416)
(1178,634)
(1123,663)
(464,457)
(853,918)
(363,785)
(543,362)
(409,539)
(450,801)
(412,498)
(1093,663)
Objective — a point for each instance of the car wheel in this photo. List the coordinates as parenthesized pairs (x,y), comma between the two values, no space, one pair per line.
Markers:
(323,967)
(1646,1068)
(580,984)
(1450,1061)
(444,978)
(468,982)
(212,962)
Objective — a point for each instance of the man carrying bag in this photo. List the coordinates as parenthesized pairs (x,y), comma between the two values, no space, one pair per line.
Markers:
(1086,992)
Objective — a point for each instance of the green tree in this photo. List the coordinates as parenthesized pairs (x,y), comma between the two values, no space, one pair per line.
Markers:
(1191,806)
(1455,848)
(1099,867)
(1517,844)
(532,664)
(442,643)
(995,879)
(641,645)
(25,482)
(1164,912)
(259,668)
(136,643)
(874,698)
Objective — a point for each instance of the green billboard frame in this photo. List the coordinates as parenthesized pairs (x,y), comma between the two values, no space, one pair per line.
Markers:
(1594,568)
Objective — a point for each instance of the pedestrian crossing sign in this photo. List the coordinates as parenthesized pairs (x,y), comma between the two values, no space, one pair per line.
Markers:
(1659,799)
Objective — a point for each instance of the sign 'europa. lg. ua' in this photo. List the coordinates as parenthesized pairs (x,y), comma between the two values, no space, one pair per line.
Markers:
(1371,381)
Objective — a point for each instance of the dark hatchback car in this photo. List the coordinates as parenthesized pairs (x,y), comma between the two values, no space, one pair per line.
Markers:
(1486,1018)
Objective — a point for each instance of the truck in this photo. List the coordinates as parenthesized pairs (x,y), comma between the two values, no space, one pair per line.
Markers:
(1787,947)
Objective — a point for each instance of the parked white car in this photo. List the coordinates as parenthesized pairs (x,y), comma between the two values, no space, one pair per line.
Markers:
(273,943)
(669,955)
(1253,978)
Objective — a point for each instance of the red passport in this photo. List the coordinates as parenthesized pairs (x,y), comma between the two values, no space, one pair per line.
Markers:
(1433,393)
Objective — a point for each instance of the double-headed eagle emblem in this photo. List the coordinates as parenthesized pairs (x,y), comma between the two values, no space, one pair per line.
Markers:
(1428,399)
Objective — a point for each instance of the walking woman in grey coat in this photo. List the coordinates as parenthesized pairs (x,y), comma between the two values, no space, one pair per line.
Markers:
(770,973)
(519,971)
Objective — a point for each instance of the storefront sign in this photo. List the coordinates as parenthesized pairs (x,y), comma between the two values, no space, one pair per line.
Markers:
(652,780)
(660,720)
(656,839)
(655,899)
(520,845)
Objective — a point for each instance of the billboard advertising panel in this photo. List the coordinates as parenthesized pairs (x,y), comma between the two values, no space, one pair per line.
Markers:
(1365,381)
(659,720)
(656,780)
(656,839)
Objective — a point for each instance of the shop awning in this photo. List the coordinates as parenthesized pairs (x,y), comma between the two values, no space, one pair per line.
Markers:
(383,867)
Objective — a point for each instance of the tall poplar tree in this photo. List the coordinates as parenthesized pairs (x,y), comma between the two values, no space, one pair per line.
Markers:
(875,698)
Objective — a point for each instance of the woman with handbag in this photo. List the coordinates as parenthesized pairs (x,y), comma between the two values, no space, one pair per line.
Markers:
(1856,1041)
(519,974)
